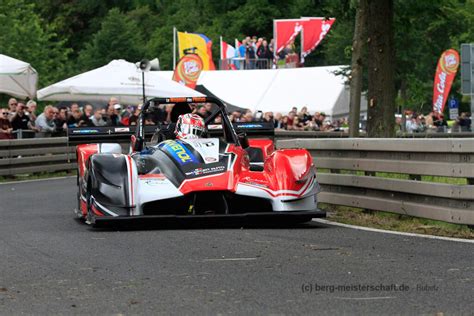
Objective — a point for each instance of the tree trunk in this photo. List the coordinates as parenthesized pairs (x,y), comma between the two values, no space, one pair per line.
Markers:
(358,42)
(381,69)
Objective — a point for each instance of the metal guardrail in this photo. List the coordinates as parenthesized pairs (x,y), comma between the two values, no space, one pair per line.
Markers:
(390,175)
(19,156)
(378,174)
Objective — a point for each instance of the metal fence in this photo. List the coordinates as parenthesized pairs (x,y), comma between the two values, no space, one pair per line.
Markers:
(240,63)
(430,178)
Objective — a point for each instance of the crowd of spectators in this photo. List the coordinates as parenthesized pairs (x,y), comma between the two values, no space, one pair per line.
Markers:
(419,123)
(258,53)
(21,120)
(294,120)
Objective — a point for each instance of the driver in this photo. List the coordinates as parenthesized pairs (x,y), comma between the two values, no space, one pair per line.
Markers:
(189,126)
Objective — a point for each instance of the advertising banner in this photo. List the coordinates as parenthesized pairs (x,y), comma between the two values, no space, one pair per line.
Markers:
(314,31)
(187,70)
(285,31)
(200,45)
(445,73)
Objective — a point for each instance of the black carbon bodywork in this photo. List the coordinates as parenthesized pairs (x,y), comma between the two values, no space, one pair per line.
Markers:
(109,183)
(286,218)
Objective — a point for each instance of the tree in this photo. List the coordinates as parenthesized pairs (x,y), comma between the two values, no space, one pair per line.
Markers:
(381,69)
(25,36)
(118,38)
(357,68)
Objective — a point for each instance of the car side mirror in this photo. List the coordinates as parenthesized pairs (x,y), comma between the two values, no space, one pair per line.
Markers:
(243,140)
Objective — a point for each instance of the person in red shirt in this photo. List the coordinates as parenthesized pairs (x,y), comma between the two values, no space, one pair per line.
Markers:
(5,125)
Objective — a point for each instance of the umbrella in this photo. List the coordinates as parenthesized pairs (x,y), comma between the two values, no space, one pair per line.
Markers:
(17,78)
(119,79)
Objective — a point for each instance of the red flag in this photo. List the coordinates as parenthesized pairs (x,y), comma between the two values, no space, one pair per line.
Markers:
(187,70)
(227,51)
(445,72)
(286,31)
(314,30)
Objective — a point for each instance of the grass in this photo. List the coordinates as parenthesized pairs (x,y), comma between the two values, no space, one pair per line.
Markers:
(401,176)
(35,176)
(395,222)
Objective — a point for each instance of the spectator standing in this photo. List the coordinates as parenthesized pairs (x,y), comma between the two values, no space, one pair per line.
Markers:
(60,120)
(278,121)
(297,124)
(242,48)
(464,122)
(113,118)
(133,120)
(113,101)
(75,119)
(264,53)
(268,117)
(429,120)
(303,115)
(250,56)
(21,121)
(87,114)
(440,123)
(45,122)
(97,119)
(6,128)
(236,116)
(291,117)
(12,105)
(74,107)
(31,113)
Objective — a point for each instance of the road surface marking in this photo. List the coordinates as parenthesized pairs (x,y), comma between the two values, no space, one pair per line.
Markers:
(324,221)
(230,259)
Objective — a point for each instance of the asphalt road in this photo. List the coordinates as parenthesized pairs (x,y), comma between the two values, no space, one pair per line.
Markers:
(53,264)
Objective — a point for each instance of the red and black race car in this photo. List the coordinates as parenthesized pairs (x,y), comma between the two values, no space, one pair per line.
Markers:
(222,174)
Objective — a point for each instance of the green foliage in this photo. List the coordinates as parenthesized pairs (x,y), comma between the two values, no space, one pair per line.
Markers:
(61,38)
(118,38)
(25,36)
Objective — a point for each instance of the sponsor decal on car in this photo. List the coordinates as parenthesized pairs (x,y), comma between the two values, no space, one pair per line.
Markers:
(122,129)
(205,171)
(178,151)
(85,131)
(155,182)
(210,159)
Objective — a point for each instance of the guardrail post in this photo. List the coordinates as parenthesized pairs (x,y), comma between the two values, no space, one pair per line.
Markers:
(415,177)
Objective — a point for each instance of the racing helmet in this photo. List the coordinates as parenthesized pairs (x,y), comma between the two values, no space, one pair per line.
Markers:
(189,126)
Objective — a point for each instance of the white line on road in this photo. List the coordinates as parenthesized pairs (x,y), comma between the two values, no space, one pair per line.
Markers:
(230,259)
(37,180)
(325,221)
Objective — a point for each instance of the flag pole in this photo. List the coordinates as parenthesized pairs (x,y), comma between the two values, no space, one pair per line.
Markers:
(301,48)
(274,44)
(174,48)
(220,43)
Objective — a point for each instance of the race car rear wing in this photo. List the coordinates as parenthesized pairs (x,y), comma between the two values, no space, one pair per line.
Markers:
(253,129)
(82,135)
(144,132)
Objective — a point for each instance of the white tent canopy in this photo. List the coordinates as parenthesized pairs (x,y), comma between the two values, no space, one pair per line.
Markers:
(119,79)
(277,90)
(17,78)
